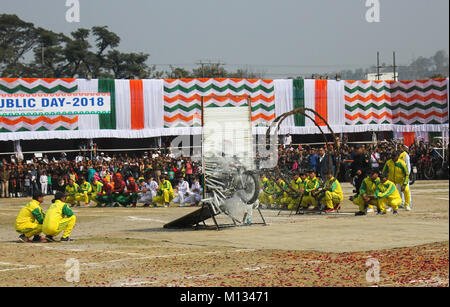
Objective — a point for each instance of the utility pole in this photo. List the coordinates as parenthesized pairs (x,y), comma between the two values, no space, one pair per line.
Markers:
(378,65)
(394,66)
(203,70)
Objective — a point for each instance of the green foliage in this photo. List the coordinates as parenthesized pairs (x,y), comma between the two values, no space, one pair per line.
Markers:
(56,55)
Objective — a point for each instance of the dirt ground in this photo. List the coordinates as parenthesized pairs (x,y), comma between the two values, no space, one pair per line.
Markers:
(130,247)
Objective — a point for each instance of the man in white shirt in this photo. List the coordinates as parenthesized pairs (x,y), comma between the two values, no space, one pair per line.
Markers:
(374,159)
(43,180)
(195,194)
(106,158)
(79,158)
(146,193)
(287,140)
(148,190)
(183,192)
(45,159)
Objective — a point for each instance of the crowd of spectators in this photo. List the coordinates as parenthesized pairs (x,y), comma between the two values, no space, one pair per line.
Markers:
(21,178)
(48,175)
(422,155)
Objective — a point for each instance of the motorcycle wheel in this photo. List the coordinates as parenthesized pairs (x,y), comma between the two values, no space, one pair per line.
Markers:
(250,191)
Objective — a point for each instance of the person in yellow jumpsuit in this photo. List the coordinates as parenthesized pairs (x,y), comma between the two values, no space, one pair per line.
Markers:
(397,172)
(59,218)
(263,181)
(268,189)
(281,197)
(404,156)
(164,192)
(97,187)
(333,195)
(72,192)
(311,184)
(365,199)
(298,185)
(29,220)
(84,191)
(387,195)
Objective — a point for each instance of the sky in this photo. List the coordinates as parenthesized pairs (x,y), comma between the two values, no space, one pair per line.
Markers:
(278,38)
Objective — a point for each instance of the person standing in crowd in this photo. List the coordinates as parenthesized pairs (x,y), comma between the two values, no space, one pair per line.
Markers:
(49,184)
(91,172)
(189,171)
(360,166)
(313,160)
(27,185)
(325,164)
(404,155)
(171,174)
(287,140)
(43,179)
(4,181)
(397,172)
(375,158)
(30,219)
(59,218)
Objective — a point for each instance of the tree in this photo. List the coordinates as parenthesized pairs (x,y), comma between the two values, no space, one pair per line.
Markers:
(49,58)
(128,65)
(104,39)
(210,70)
(178,73)
(60,56)
(17,37)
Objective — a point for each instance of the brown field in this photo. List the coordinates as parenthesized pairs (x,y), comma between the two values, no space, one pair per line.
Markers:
(129,247)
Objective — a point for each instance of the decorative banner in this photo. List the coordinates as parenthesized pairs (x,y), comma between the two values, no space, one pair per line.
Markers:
(37,123)
(415,102)
(54,104)
(182,99)
(153,108)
